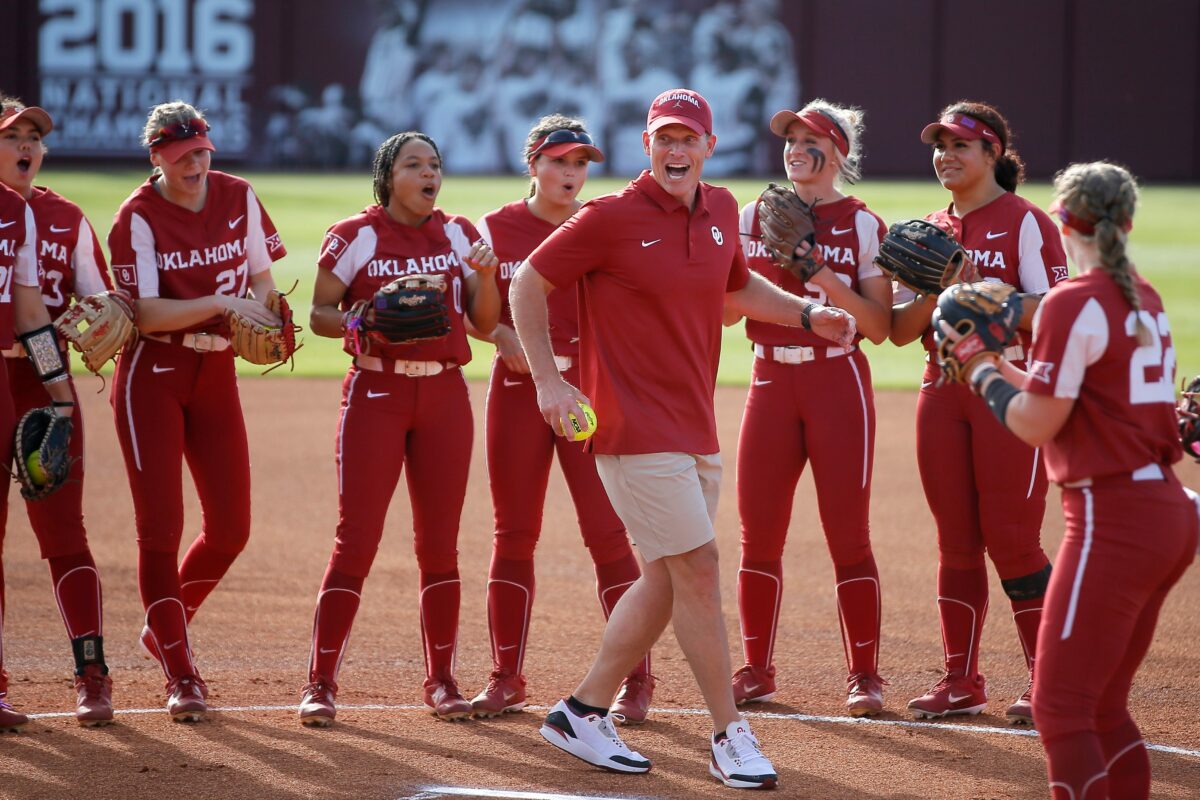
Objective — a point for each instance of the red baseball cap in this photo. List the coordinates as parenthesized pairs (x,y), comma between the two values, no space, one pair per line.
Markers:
(962,126)
(37,116)
(176,140)
(562,141)
(680,107)
(816,121)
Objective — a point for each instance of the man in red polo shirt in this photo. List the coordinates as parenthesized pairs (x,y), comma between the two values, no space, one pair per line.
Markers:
(657,263)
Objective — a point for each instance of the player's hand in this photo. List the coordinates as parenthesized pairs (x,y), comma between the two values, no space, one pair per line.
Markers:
(482,259)
(510,350)
(557,398)
(834,324)
(252,310)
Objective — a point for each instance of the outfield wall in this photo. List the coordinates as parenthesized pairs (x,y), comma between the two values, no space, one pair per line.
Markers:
(313,83)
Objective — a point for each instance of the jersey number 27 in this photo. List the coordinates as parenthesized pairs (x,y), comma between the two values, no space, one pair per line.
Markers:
(1152,368)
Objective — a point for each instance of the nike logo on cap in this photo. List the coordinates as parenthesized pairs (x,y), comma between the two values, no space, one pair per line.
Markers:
(157,368)
(233,222)
(840,231)
(647,244)
(56,229)
(991,235)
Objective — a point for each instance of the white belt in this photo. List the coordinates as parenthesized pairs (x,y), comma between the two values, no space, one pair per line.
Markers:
(413,369)
(1014,353)
(1150,472)
(564,363)
(796,354)
(200,342)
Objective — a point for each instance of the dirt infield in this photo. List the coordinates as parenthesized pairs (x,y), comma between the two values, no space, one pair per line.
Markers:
(252,641)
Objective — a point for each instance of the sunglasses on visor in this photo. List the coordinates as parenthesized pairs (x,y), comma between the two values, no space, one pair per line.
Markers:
(180,130)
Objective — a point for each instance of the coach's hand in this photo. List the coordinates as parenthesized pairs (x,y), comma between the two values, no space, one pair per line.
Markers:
(508,345)
(834,324)
(251,309)
(557,398)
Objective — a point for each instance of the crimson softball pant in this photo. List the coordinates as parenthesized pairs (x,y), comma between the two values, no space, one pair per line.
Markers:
(388,422)
(172,403)
(1127,543)
(57,520)
(520,450)
(987,491)
(8,424)
(821,411)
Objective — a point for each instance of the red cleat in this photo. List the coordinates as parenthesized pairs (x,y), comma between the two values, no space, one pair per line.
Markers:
(1021,711)
(953,695)
(317,709)
(504,692)
(11,720)
(864,694)
(186,698)
(753,684)
(633,700)
(93,706)
(444,700)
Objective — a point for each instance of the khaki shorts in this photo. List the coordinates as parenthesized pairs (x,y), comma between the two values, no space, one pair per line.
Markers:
(668,501)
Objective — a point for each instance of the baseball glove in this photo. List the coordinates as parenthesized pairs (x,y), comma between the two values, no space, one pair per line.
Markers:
(971,320)
(786,222)
(41,447)
(1189,418)
(409,309)
(921,256)
(259,344)
(98,326)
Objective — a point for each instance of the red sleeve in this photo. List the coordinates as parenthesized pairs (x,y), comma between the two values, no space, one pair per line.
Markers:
(120,249)
(573,249)
(275,248)
(739,272)
(337,242)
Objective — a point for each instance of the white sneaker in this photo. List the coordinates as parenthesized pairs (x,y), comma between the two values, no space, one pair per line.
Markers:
(738,761)
(591,738)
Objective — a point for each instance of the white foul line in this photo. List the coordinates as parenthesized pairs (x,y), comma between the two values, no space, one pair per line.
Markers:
(689,712)
(466,791)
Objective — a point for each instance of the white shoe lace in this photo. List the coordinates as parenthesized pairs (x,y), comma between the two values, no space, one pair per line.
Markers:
(742,747)
(607,729)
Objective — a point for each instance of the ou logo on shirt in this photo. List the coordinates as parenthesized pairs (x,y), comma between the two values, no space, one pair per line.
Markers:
(718,237)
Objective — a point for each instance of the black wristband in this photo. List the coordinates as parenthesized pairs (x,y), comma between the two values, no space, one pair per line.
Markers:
(63,404)
(997,393)
(805,322)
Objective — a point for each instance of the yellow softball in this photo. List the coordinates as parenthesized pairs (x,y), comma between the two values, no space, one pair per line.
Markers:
(578,433)
(34,465)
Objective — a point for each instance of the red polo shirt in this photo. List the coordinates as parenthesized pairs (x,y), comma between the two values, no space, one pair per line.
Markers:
(653,279)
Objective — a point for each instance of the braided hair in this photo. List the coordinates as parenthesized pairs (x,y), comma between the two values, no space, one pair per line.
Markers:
(544,127)
(385,156)
(1009,169)
(1106,195)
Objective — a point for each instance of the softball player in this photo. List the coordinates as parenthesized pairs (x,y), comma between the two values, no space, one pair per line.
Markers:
(23,310)
(987,491)
(404,405)
(786,423)
(70,263)
(188,245)
(1099,394)
(520,446)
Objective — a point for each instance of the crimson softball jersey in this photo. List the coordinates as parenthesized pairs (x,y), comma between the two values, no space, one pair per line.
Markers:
(70,260)
(848,234)
(513,232)
(18,255)
(160,249)
(1086,348)
(650,372)
(1012,241)
(370,250)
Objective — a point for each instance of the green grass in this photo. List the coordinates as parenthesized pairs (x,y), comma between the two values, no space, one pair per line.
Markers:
(1165,245)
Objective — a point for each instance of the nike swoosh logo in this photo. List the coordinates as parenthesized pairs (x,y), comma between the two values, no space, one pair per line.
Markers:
(749,638)
(442,646)
(504,648)
(647,244)
(507,382)
(958,698)
(840,231)
(325,650)
(863,644)
(991,235)
(757,382)
(753,688)
(955,655)
(926,383)
(157,368)
(574,339)
(233,222)
(371,394)
(56,229)
(172,645)
(6,224)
